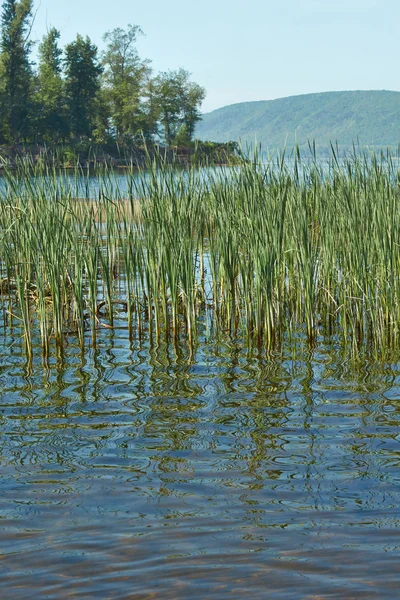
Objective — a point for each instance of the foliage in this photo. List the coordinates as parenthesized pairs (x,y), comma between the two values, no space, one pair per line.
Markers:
(16,73)
(215,153)
(82,85)
(125,81)
(52,119)
(177,102)
(76,94)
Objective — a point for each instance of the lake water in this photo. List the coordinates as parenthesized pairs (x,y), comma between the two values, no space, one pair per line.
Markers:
(137,472)
(134,471)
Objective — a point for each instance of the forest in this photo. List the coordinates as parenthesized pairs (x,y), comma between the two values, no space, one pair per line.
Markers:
(78,94)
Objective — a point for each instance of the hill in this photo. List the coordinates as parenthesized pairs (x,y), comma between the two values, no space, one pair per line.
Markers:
(371,118)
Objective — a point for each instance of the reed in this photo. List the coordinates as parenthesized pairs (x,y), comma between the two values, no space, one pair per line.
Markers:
(261,250)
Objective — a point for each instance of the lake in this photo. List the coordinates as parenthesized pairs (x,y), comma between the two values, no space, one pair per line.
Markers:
(136,472)
(200,399)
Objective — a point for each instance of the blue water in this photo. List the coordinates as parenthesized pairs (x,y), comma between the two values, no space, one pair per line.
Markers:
(139,472)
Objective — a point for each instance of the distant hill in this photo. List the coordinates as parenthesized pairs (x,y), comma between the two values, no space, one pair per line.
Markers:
(370,117)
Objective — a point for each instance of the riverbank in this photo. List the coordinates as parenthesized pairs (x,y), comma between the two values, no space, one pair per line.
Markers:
(86,155)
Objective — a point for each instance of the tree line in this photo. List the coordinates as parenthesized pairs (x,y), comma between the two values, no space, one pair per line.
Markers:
(78,93)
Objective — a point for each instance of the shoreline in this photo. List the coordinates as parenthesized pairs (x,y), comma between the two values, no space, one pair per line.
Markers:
(87,156)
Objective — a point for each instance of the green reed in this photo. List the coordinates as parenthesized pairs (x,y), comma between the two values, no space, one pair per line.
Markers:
(262,250)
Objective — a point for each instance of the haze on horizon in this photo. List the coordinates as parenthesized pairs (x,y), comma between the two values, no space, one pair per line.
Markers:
(264,52)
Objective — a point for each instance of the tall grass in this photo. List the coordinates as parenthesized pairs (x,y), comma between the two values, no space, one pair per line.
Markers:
(262,250)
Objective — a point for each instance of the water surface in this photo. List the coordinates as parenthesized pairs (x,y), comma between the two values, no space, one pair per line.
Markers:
(135,472)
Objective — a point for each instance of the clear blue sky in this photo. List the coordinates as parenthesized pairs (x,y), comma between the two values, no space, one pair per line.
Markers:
(249,50)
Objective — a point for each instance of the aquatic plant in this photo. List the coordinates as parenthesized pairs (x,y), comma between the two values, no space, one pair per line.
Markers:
(264,249)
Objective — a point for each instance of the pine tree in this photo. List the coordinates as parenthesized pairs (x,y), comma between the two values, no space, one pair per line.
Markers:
(52,122)
(16,74)
(82,85)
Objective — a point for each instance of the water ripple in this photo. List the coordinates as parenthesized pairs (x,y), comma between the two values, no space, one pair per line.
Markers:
(132,471)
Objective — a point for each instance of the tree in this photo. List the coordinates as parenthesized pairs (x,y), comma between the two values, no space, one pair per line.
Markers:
(178,101)
(16,73)
(167,94)
(193,97)
(82,85)
(51,89)
(125,79)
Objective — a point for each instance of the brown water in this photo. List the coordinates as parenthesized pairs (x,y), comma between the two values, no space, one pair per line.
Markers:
(131,472)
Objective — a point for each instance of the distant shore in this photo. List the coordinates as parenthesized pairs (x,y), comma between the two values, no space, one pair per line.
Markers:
(86,155)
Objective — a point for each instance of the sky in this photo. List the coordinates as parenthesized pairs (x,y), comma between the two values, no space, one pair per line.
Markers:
(243,50)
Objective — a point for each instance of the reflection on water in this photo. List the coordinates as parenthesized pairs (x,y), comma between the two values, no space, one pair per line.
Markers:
(134,472)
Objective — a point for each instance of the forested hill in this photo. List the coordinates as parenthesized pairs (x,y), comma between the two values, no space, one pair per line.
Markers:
(371,118)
